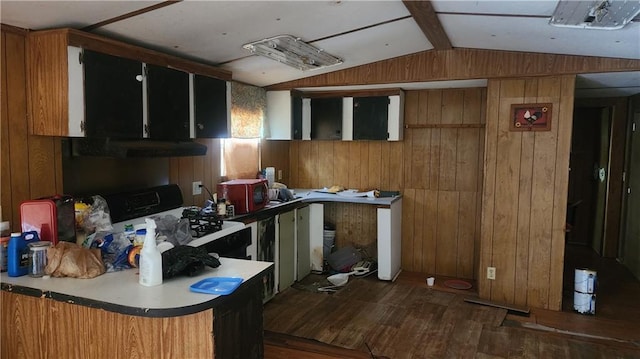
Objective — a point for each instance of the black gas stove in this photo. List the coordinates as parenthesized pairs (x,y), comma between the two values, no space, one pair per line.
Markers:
(202,221)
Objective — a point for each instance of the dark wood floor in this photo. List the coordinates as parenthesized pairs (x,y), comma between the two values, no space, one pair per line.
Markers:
(405,319)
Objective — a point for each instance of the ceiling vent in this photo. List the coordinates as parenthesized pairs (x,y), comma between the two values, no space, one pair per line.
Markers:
(294,52)
(599,14)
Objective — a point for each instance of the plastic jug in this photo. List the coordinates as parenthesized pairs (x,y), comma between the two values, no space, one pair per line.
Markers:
(18,253)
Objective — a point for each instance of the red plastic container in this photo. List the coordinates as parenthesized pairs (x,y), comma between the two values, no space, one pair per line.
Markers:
(40,215)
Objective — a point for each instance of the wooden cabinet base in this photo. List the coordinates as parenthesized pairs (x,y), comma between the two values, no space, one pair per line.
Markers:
(35,327)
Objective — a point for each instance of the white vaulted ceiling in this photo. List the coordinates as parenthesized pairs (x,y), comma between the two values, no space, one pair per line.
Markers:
(360,32)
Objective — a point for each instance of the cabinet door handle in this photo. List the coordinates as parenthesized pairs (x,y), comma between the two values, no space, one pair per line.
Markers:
(139,78)
(200,126)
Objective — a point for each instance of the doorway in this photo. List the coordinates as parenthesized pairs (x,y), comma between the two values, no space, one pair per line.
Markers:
(589,163)
(594,210)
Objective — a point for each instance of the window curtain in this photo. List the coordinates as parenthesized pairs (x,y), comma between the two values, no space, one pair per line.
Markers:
(241,152)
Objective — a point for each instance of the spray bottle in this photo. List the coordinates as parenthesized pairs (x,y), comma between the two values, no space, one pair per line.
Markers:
(150,258)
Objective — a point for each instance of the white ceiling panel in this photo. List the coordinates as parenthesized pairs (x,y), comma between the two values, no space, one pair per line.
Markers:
(536,35)
(511,7)
(39,15)
(611,84)
(215,31)
(377,43)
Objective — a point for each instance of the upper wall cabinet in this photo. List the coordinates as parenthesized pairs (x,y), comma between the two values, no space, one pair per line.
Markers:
(168,104)
(364,115)
(212,104)
(326,118)
(288,116)
(374,118)
(87,85)
(112,95)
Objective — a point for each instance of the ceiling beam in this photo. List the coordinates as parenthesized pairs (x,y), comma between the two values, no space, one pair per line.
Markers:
(130,15)
(427,19)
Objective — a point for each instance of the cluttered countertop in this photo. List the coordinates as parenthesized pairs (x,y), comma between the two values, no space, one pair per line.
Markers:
(305,196)
(120,292)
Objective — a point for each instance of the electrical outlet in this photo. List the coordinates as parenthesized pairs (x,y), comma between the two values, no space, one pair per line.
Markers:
(196,188)
(279,175)
(491,272)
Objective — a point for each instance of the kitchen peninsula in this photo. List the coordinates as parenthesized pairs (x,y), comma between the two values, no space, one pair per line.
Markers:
(113,316)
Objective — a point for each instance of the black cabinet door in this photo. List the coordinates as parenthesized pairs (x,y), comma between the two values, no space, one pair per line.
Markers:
(210,107)
(326,118)
(168,101)
(267,252)
(296,117)
(113,96)
(238,329)
(370,118)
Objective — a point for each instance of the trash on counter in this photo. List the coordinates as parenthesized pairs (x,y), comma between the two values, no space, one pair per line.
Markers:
(95,217)
(186,260)
(71,260)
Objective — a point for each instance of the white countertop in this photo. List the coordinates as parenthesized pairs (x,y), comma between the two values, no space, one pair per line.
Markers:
(122,288)
(310,195)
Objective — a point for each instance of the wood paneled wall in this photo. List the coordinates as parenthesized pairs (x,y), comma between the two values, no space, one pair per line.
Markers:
(443,181)
(31,165)
(525,194)
(186,170)
(438,168)
(462,64)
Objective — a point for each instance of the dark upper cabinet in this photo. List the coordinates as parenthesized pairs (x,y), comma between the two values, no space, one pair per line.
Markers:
(113,96)
(168,103)
(296,117)
(326,118)
(211,111)
(370,118)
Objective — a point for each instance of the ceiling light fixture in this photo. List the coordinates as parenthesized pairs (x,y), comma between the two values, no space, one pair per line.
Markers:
(294,52)
(598,14)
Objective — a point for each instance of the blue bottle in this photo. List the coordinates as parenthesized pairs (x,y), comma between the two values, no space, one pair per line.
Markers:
(18,253)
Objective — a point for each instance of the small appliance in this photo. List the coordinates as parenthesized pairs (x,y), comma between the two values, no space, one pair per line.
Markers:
(246,195)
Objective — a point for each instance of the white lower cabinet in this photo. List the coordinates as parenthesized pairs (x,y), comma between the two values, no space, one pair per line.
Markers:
(286,234)
(303,252)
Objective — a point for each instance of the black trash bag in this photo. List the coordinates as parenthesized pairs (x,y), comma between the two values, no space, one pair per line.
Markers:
(186,260)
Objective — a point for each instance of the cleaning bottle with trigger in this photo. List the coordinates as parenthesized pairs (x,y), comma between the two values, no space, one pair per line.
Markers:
(150,258)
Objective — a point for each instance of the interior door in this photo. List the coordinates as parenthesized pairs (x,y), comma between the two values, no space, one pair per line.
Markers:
(631,246)
(601,178)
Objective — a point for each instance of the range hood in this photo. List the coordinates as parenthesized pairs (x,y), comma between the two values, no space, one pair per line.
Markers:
(125,148)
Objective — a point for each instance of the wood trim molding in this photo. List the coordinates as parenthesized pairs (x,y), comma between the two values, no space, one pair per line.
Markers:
(14,29)
(117,48)
(462,64)
(425,16)
(353,93)
(445,125)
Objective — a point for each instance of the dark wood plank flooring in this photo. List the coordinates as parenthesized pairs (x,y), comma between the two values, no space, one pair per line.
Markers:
(406,319)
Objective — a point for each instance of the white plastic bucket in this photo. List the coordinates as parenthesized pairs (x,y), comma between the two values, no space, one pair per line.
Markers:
(328,238)
(585,280)
(584,303)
